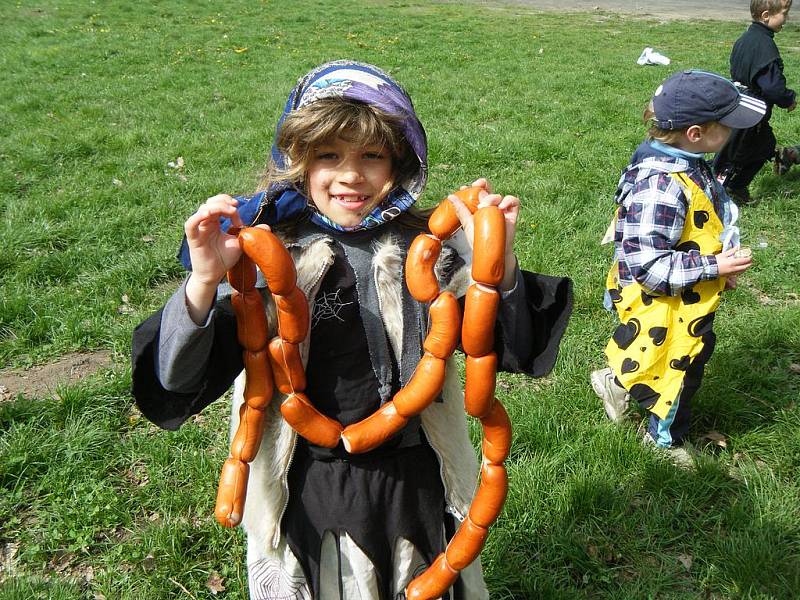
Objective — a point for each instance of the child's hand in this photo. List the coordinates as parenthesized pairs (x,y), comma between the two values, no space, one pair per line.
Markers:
(729,264)
(212,251)
(509,206)
(481,183)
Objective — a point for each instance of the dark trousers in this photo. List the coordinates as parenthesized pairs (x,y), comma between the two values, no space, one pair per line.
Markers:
(746,152)
(672,430)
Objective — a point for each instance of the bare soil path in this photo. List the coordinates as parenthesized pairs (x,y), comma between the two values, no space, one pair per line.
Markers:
(722,10)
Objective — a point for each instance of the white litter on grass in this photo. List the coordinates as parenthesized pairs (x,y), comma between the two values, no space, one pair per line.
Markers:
(651,57)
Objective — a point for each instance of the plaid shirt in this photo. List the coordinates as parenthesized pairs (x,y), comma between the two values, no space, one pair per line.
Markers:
(650,219)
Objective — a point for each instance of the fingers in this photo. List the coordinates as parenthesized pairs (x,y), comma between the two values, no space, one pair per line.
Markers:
(461,211)
(210,212)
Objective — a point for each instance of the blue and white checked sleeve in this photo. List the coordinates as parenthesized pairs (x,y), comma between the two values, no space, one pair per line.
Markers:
(653,225)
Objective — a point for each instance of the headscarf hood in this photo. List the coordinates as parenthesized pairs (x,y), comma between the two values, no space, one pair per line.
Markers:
(352,81)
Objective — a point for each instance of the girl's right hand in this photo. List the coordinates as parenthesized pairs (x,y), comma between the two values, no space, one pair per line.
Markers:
(729,264)
(213,253)
(212,250)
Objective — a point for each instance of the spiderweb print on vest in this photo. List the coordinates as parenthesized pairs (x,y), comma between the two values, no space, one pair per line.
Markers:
(270,581)
(328,306)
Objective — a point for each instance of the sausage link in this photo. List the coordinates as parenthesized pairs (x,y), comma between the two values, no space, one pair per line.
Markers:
(292,316)
(258,386)
(434,582)
(444,222)
(480,313)
(480,381)
(371,432)
(488,246)
(247,438)
(421,258)
(424,386)
(309,422)
(445,318)
(251,320)
(496,434)
(466,544)
(287,367)
(242,275)
(271,256)
(231,492)
(491,495)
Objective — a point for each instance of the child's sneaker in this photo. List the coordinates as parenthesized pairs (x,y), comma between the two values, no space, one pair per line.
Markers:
(785,158)
(680,456)
(616,400)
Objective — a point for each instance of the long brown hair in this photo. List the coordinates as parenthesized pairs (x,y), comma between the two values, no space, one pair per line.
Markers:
(328,119)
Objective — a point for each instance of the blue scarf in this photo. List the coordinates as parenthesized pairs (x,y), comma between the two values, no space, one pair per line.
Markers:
(352,81)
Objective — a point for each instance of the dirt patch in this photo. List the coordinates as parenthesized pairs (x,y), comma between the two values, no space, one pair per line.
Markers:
(41,381)
(722,10)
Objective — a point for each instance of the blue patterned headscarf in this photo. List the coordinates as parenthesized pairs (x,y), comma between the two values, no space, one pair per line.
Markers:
(351,81)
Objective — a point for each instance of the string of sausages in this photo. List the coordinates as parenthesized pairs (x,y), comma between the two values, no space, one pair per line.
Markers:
(277,363)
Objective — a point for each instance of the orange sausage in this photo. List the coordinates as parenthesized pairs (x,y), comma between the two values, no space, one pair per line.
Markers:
(445,326)
(480,380)
(251,320)
(292,316)
(434,582)
(491,495)
(444,222)
(424,386)
(466,544)
(231,492)
(243,274)
(272,258)
(309,422)
(247,438)
(371,432)
(420,278)
(480,313)
(258,386)
(488,247)
(496,434)
(287,368)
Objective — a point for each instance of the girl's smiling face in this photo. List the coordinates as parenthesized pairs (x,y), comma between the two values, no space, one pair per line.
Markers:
(346,180)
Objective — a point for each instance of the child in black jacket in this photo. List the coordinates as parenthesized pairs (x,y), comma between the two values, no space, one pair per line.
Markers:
(756,64)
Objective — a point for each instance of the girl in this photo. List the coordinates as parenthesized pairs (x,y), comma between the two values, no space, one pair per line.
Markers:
(348,162)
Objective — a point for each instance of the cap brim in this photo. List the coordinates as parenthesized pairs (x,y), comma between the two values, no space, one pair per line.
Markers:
(747,113)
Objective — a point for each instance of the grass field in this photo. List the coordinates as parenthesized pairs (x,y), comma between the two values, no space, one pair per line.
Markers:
(99,97)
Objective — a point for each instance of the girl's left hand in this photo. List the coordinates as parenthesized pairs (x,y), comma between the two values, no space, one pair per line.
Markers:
(509,206)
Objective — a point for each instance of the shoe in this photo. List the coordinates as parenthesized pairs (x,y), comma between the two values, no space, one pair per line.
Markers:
(680,456)
(741,196)
(616,400)
(784,159)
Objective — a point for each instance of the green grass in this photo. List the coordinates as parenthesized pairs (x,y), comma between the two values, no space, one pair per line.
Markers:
(99,97)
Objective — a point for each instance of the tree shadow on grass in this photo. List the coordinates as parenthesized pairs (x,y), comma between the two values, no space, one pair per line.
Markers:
(656,532)
(749,385)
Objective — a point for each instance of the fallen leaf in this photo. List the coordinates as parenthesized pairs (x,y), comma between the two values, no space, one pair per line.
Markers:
(116,182)
(214,583)
(148,239)
(149,562)
(686,561)
(715,438)
(125,298)
(239,50)
(795,368)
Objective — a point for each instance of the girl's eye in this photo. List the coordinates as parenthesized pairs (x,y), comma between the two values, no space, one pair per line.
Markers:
(373,155)
(326,156)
